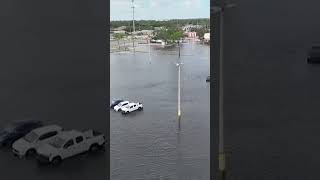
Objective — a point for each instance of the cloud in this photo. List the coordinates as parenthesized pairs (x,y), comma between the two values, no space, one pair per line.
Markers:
(159,9)
(174,3)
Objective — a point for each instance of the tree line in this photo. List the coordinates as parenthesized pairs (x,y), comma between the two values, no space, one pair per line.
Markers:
(151,24)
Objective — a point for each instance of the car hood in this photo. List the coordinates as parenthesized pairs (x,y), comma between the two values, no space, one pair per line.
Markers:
(47,150)
(21,145)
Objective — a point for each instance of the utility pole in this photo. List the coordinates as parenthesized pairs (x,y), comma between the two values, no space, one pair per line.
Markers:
(179,90)
(133,28)
(222,159)
(149,49)
(179,49)
(179,84)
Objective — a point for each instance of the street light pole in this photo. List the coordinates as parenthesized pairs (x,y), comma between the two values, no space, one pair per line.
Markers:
(133,28)
(149,50)
(179,91)
(179,84)
(222,158)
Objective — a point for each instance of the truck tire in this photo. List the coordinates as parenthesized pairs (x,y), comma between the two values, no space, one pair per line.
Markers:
(94,148)
(56,160)
(30,152)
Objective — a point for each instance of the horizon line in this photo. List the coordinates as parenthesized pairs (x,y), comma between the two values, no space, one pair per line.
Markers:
(158,19)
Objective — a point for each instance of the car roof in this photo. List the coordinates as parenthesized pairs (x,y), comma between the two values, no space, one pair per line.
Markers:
(66,135)
(45,129)
(130,104)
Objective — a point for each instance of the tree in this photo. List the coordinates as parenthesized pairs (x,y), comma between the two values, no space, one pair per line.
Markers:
(170,34)
(150,24)
(118,37)
(176,36)
(201,31)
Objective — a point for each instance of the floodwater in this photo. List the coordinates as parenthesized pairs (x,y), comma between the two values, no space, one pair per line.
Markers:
(153,143)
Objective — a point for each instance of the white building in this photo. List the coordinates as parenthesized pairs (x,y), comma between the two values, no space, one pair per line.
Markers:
(117,32)
(206,37)
(192,34)
(190,27)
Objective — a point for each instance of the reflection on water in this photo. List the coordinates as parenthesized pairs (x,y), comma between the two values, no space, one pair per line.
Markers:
(154,143)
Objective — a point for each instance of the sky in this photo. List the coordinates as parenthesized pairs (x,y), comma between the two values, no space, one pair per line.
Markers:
(159,9)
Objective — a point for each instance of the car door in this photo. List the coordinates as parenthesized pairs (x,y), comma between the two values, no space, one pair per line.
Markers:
(68,149)
(80,145)
(45,138)
(135,107)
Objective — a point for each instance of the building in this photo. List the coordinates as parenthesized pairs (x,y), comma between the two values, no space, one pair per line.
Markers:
(206,37)
(144,32)
(191,27)
(121,28)
(117,32)
(191,34)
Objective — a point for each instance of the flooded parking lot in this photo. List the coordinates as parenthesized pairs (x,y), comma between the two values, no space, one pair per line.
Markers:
(55,75)
(153,143)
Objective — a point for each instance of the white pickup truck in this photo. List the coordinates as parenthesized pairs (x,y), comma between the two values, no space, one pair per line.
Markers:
(68,144)
(120,105)
(131,107)
(27,145)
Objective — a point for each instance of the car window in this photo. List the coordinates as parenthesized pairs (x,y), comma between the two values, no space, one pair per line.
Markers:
(31,137)
(48,135)
(68,144)
(79,139)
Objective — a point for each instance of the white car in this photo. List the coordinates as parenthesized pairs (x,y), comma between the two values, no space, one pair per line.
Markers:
(120,105)
(27,145)
(132,107)
(70,143)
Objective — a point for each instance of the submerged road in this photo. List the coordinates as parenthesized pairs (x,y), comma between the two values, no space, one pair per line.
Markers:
(271,95)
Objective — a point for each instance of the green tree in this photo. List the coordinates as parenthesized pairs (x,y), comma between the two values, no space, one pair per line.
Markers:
(118,37)
(201,31)
(176,35)
(169,34)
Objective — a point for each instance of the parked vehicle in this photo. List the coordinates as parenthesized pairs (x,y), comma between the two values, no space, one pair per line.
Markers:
(115,102)
(120,105)
(16,130)
(26,146)
(208,79)
(68,144)
(131,107)
(314,54)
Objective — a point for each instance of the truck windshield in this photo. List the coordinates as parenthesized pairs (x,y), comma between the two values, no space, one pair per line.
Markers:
(31,137)
(57,142)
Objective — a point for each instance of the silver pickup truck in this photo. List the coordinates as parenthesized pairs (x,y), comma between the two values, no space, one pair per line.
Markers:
(68,144)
